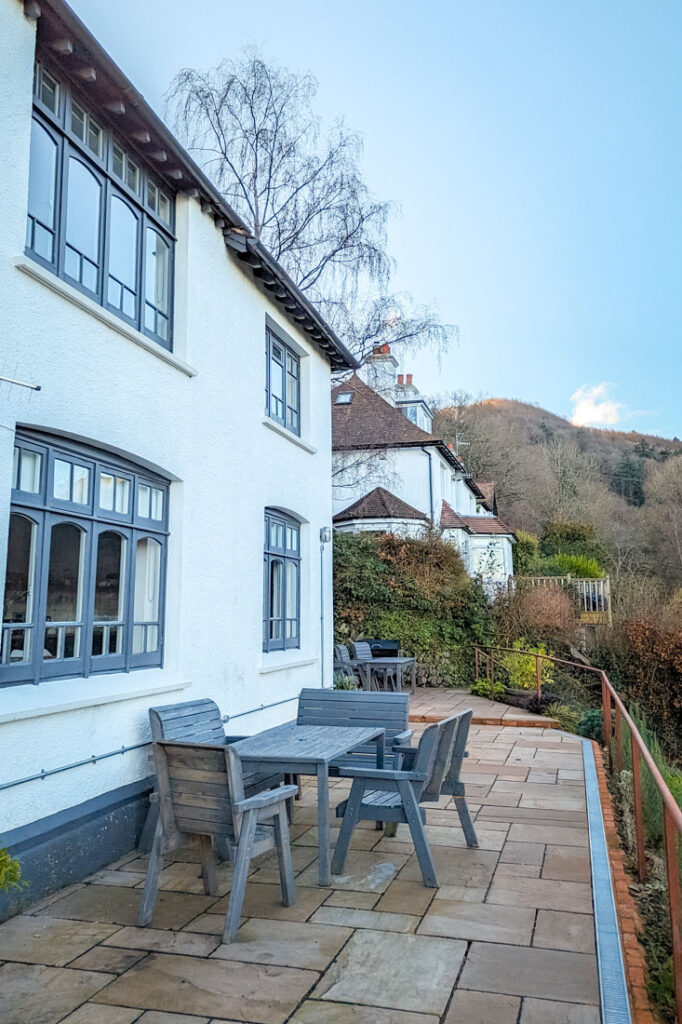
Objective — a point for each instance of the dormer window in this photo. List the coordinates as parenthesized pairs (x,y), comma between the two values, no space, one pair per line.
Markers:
(96,217)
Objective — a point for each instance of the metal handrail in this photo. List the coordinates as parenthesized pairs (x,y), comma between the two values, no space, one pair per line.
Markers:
(672,814)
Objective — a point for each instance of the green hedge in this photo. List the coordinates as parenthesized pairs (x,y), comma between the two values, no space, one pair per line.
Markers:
(414,591)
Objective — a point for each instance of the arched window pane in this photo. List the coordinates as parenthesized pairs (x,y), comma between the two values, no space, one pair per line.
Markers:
(275,600)
(64,592)
(147,592)
(42,182)
(109,575)
(19,580)
(122,286)
(82,225)
(291,600)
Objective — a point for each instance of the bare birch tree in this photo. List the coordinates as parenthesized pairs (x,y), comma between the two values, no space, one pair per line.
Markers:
(299,187)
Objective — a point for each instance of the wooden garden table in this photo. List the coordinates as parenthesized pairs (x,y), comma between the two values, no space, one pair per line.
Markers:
(309,750)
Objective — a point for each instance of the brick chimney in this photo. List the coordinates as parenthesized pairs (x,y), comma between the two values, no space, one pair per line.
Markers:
(401,380)
(379,371)
(409,380)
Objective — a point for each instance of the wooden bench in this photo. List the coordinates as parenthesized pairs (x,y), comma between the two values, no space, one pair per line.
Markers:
(361,709)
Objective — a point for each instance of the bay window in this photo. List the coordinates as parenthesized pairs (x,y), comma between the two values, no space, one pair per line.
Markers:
(84,586)
(96,215)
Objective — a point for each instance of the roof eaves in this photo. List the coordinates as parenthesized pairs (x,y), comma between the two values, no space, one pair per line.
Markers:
(296,306)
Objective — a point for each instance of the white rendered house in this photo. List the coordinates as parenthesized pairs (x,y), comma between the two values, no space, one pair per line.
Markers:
(391,474)
(162,528)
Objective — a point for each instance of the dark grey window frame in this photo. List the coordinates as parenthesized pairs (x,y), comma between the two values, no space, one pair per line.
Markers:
(290,416)
(58,126)
(45,512)
(286,556)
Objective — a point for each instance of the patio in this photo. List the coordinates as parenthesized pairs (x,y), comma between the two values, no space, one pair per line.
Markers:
(508,937)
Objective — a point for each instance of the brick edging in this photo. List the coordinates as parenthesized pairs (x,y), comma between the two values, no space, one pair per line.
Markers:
(629,921)
(514,723)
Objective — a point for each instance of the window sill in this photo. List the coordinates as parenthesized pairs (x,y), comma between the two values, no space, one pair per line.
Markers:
(55,284)
(49,698)
(279,661)
(283,432)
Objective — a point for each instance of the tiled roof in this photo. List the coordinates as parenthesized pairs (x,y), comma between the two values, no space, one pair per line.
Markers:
(486,525)
(369,421)
(378,504)
(449,519)
(487,488)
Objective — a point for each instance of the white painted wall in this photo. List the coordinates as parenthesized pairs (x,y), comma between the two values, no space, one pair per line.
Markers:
(206,432)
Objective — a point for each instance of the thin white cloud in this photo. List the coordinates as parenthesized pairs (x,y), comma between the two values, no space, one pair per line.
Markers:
(592,407)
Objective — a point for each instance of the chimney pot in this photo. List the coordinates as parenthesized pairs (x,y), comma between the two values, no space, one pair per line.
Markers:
(409,380)
(450,445)
(376,350)
(400,380)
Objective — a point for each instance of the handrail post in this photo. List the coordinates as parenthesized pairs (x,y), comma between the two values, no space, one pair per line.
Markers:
(492,676)
(606,710)
(675,903)
(619,742)
(538,676)
(639,813)
(476,661)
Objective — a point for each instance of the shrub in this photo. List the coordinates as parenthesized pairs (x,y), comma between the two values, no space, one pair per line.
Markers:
(10,872)
(591,724)
(526,554)
(566,716)
(571,538)
(417,591)
(520,668)
(344,682)
(481,688)
(572,565)
(547,609)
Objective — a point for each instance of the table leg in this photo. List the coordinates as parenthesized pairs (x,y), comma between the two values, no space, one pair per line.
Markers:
(325,877)
(414,678)
(380,742)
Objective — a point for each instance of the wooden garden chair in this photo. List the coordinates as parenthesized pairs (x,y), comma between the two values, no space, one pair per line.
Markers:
(451,754)
(391,795)
(201,793)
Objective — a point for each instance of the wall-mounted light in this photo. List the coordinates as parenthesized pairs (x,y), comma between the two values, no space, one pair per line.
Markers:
(325,534)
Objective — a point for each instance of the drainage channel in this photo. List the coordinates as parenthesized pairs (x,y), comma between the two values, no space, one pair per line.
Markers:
(613,990)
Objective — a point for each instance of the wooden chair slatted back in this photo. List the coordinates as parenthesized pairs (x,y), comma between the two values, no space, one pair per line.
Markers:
(459,747)
(425,758)
(193,721)
(196,785)
(443,758)
(358,708)
(361,650)
(341,655)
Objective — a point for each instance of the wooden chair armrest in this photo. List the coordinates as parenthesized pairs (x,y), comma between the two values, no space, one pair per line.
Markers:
(234,739)
(268,798)
(386,774)
(402,737)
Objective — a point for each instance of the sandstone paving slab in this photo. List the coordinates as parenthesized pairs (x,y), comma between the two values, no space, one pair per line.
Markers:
(208,924)
(404,898)
(439,835)
(108,959)
(162,940)
(554,835)
(455,920)
(567,864)
(541,1011)
(214,988)
(528,971)
(388,845)
(402,972)
(362,838)
(36,994)
(264,899)
(286,943)
(108,877)
(522,853)
(356,900)
(301,857)
(461,893)
(47,940)
(364,870)
(315,1011)
(114,905)
(543,893)
(181,877)
(482,1008)
(533,816)
(380,922)
(154,1017)
(557,929)
(455,866)
(504,870)
(92,1013)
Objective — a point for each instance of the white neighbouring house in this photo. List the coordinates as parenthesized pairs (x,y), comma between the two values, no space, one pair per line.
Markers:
(162,528)
(393,475)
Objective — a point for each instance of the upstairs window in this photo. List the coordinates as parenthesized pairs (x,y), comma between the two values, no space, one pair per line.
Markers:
(283,383)
(96,216)
(281,582)
(84,582)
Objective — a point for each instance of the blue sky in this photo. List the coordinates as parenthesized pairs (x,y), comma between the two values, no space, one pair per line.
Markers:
(535,150)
